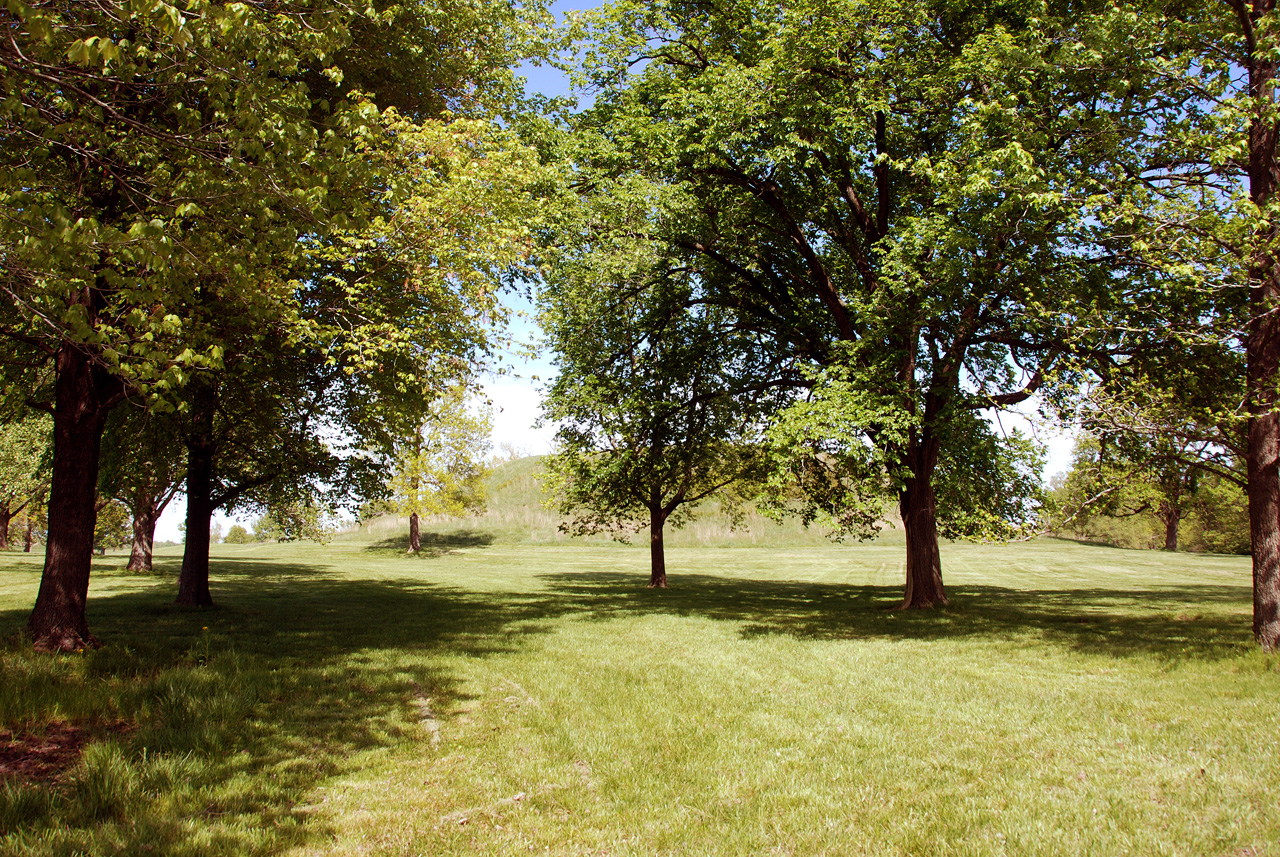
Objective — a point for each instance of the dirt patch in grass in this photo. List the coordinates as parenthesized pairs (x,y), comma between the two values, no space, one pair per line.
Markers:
(44,756)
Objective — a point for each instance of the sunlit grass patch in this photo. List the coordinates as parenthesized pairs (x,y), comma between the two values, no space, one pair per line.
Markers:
(501,699)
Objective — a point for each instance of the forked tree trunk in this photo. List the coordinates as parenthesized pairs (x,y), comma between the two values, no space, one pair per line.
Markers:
(1171,515)
(919,508)
(657,556)
(1262,346)
(144,531)
(193,581)
(415,535)
(84,395)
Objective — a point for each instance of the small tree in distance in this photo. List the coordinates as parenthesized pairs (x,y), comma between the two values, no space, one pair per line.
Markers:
(237,535)
(441,470)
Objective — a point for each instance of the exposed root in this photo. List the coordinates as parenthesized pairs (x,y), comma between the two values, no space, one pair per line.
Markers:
(64,640)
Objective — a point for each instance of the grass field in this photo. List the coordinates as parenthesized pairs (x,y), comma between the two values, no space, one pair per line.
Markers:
(495,698)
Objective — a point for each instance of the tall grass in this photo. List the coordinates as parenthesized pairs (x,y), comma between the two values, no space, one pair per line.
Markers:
(517,513)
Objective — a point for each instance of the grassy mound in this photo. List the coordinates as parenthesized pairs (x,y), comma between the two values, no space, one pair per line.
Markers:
(517,514)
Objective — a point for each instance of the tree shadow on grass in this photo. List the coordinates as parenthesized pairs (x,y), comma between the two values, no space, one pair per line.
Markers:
(235,714)
(1189,622)
(433,544)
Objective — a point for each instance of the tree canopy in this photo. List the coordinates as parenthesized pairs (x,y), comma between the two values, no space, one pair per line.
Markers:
(906,196)
(166,165)
(660,400)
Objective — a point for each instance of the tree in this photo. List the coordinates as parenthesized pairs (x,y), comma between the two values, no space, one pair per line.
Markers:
(1150,502)
(290,522)
(440,469)
(1256,53)
(111,527)
(1201,201)
(1155,428)
(238,535)
(34,521)
(142,467)
(905,195)
(24,468)
(659,400)
(395,311)
(1104,481)
(157,160)
(262,436)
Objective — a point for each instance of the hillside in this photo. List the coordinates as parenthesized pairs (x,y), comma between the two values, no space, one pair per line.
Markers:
(516,515)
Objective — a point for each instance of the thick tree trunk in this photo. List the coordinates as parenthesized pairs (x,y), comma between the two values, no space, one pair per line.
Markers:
(657,556)
(1263,462)
(919,508)
(415,535)
(193,581)
(1264,526)
(1172,517)
(5,517)
(144,531)
(84,395)
(1262,352)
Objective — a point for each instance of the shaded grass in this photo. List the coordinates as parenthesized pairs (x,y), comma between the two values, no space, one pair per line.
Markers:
(496,699)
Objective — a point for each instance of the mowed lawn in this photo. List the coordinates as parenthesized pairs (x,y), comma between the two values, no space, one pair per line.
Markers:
(486,699)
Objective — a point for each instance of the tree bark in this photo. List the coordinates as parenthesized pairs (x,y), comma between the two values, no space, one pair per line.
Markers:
(144,531)
(415,536)
(84,395)
(5,517)
(1262,345)
(657,556)
(1172,517)
(919,508)
(193,581)
(29,536)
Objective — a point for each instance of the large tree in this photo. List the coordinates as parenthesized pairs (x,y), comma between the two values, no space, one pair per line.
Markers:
(905,196)
(1252,46)
(156,160)
(1200,203)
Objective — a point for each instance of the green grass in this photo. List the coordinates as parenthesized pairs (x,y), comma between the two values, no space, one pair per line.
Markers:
(516,699)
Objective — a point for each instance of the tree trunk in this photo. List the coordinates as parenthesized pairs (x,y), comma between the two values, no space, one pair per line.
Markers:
(84,395)
(144,531)
(657,556)
(193,581)
(29,537)
(5,517)
(919,508)
(1172,517)
(1262,349)
(1264,526)
(415,537)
